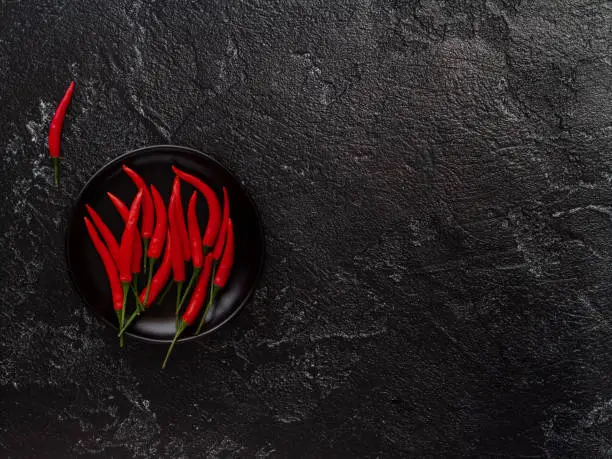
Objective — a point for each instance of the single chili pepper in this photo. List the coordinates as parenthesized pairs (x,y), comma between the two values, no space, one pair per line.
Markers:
(195,304)
(111,270)
(107,235)
(159,235)
(180,221)
(147,207)
(178,265)
(218,249)
(223,272)
(126,248)
(214,209)
(195,239)
(55,129)
(157,284)
(123,211)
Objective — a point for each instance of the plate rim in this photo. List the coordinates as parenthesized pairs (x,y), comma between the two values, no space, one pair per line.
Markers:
(171,148)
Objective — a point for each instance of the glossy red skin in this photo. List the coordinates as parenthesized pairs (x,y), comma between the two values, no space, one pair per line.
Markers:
(123,211)
(55,129)
(214,209)
(218,249)
(178,264)
(227,260)
(109,266)
(193,228)
(179,220)
(161,225)
(127,240)
(106,233)
(147,202)
(199,293)
(161,276)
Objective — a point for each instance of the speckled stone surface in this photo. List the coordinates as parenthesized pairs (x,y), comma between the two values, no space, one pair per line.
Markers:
(435,183)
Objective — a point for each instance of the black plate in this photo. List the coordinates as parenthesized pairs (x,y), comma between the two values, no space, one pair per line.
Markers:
(154,165)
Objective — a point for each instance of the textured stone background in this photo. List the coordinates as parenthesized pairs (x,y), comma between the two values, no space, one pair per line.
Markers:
(435,183)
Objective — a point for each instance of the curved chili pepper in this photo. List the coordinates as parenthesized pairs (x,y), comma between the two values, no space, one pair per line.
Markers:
(127,239)
(111,270)
(178,265)
(157,284)
(126,249)
(195,304)
(159,234)
(180,221)
(147,206)
(223,272)
(214,209)
(123,211)
(107,235)
(195,240)
(55,129)
(218,249)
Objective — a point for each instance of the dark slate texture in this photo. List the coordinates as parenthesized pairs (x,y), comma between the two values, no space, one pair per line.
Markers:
(435,183)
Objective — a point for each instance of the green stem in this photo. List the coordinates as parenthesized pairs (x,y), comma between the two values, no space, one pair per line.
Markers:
(211,299)
(144,254)
(179,289)
(125,286)
(128,323)
(119,320)
(196,271)
(179,330)
(151,263)
(134,288)
(56,168)
(165,292)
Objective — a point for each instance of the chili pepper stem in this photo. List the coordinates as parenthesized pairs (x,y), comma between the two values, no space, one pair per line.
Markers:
(134,288)
(119,319)
(125,286)
(128,323)
(151,263)
(165,292)
(180,328)
(196,271)
(56,168)
(179,289)
(145,242)
(213,294)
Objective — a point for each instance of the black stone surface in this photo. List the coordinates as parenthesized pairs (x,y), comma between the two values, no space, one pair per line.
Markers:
(434,179)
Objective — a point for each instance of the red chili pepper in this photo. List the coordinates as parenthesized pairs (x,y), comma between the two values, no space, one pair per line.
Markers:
(214,209)
(107,235)
(157,284)
(194,232)
(161,276)
(195,304)
(227,261)
(218,250)
(123,211)
(223,272)
(178,265)
(199,293)
(109,266)
(147,206)
(55,129)
(161,225)
(111,271)
(180,221)
(159,234)
(195,239)
(126,249)
(127,240)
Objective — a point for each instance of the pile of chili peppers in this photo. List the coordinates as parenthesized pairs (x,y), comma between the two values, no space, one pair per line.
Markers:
(163,234)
